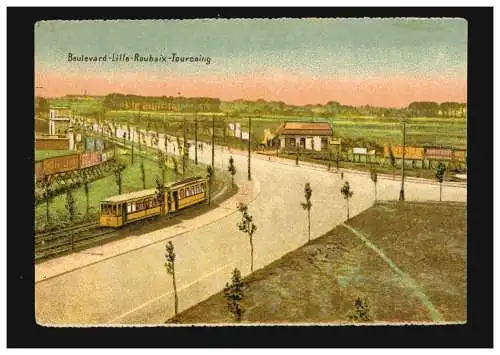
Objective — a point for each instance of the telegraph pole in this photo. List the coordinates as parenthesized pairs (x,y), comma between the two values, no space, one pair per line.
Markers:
(213,141)
(402,192)
(249,145)
(196,138)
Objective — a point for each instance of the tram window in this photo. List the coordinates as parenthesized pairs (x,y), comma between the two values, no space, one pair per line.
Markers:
(118,210)
(188,193)
(129,207)
(181,193)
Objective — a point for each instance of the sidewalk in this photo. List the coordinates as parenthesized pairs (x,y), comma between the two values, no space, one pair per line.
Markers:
(248,191)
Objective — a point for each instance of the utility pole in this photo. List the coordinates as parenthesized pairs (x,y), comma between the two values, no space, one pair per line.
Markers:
(213,141)
(249,145)
(185,152)
(196,138)
(402,192)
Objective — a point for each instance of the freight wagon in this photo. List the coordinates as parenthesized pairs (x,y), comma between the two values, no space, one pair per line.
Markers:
(410,152)
(60,164)
(89,159)
(438,154)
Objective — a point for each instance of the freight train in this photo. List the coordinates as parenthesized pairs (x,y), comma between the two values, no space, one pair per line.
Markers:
(426,153)
(71,162)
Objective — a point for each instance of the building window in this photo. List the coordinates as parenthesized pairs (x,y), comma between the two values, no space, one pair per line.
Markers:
(302,142)
(324,143)
(292,141)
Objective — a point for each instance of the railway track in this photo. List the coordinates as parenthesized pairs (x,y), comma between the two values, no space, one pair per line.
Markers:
(49,245)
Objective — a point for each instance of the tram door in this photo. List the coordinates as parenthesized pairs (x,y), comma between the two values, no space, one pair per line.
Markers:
(124,213)
(176,200)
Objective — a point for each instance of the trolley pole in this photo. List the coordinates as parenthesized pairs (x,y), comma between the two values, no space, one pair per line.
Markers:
(249,146)
(196,138)
(213,141)
(402,192)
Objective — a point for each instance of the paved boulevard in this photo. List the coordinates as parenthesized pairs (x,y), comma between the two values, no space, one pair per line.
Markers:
(134,288)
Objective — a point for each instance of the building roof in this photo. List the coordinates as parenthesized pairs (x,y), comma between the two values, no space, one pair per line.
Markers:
(306,128)
(130,196)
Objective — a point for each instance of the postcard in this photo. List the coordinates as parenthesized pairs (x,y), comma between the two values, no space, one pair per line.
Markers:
(242,172)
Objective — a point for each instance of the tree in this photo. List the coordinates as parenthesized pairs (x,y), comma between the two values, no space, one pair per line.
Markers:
(47,195)
(234,295)
(393,162)
(232,169)
(70,205)
(210,177)
(160,195)
(161,165)
(337,161)
(143,175)
(247,226)
(307,206)
(86,184)
(170,267)
(361,311)
(118,179)
(373,176)
(441,169)
(347,193)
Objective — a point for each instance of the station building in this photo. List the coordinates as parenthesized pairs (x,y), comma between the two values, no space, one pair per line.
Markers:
(314,136)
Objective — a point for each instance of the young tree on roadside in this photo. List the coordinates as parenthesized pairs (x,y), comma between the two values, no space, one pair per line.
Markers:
(161,165)
(160,195)
(307,206)
(234,294)
(361,311)
(70,205)
(441,169)
(347,193)
(247,226)
(373,176)
(118,179)
(86,185)
(337,161)
(210,177)
(232,170)
(143,175)
(393,162)
(170,267)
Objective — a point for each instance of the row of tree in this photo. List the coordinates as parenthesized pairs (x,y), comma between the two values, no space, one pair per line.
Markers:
(117,101)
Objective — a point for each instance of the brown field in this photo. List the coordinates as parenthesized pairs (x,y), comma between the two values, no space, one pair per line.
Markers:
(319,282)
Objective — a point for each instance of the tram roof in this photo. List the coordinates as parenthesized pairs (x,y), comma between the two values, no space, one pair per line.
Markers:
(130,196)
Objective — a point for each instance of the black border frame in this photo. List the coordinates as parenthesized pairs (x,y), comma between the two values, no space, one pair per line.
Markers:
(24,332)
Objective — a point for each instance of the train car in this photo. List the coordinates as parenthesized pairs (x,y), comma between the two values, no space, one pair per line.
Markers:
(416,153)
(119,210)
(90,159)
(187,192)
(108,154)
(460,155)
(61,164)
(438,154)
(38,169)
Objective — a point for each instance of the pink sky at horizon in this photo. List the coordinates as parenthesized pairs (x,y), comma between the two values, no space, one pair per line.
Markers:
(394,91)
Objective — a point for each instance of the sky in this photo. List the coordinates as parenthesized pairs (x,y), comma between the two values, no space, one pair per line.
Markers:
(380,62)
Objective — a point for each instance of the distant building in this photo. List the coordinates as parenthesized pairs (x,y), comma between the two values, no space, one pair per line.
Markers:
(59,120)
(304,135)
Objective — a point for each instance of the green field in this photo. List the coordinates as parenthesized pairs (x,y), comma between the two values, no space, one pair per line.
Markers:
(44,154)
(420,131)
(319,282)
(105,187)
